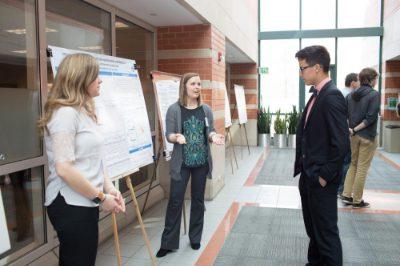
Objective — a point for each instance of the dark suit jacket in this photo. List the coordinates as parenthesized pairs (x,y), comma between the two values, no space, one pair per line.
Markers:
(323,142)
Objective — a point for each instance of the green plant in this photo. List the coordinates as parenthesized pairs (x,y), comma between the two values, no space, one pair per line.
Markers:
(293,121)
(264,121)
(280,124)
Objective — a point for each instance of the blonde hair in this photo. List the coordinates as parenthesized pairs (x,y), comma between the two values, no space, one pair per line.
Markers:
(74,75)
(183,91)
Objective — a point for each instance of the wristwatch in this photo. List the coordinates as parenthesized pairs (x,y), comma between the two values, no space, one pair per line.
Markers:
(100,198)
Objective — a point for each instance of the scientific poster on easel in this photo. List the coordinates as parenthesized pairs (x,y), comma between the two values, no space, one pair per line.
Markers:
(228,120)
(4,239)
(121,111)
(166,91)
(241,104)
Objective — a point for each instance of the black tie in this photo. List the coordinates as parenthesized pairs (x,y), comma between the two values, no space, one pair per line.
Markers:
(314,91)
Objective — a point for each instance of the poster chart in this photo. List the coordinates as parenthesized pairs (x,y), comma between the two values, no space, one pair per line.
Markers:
(4,239)
(121,111)
(241,104)
(166,91)
(228,120)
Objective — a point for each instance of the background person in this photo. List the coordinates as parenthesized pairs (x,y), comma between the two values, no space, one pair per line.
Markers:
(190,127)
(363,109)
(74,144)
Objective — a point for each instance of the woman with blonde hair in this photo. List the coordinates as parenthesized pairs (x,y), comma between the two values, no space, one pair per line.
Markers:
(189,125)
(77,182)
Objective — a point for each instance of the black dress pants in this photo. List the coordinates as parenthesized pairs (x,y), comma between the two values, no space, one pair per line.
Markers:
(320,214)
(171,233)
(77,230)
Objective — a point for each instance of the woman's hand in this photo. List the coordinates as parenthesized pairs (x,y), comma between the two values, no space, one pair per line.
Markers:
(218,139)
(111,204)
(180,138)
(115,192)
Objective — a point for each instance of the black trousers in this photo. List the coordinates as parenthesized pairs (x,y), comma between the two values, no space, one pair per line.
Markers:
(171,233)
(77,230)
(320,214)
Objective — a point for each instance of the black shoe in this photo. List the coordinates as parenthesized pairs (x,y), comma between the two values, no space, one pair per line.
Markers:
(162,252)
(362,204)
(346,200)
(195,246)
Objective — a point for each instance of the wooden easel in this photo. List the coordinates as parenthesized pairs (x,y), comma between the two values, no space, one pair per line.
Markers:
(139,217)
(245,133)
(228,136)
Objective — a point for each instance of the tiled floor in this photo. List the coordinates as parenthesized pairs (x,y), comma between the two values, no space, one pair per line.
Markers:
(241,189)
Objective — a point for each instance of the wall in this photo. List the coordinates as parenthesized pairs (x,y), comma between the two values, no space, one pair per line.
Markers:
(391,39)
(237,19)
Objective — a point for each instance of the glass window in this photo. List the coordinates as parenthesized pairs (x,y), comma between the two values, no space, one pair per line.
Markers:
(275,15)
(359,13)
(317,14)
(280,87)
(23,204)
(19,82)
(136,43)
(355,54)
(77,25)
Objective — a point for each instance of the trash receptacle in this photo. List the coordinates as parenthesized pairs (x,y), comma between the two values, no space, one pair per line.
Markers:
(391,141)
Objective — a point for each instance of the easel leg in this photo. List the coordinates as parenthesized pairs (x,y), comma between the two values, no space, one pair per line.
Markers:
(153,177)
(139,216)
(247,139)
(116,239)
(241,141)
(184,217)
(233,149)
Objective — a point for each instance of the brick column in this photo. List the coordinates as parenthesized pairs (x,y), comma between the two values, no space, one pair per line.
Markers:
(247,76)
(199,49)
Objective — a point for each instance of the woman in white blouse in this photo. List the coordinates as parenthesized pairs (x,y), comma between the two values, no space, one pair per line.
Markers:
(77,182)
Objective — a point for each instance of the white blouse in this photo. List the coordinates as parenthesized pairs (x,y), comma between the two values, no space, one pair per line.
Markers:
(73,136)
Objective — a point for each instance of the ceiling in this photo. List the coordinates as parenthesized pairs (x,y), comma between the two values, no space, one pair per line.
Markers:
(157,12)
(234,55)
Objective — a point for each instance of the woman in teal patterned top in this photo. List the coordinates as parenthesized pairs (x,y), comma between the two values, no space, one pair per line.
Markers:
(189,125)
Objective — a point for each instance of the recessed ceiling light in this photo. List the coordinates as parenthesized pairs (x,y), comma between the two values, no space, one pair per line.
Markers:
(119,24)
(19,51)
(96,47)
(17,31)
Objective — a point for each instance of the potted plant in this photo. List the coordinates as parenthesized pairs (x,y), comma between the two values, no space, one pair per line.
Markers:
(293,121)
(264,127)
(280,130)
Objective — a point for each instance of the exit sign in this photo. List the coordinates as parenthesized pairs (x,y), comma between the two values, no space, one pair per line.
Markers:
(263,70)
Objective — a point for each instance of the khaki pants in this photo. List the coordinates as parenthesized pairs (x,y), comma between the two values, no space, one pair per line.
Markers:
(362,152)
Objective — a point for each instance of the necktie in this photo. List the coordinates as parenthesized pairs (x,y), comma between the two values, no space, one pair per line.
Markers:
(314,91)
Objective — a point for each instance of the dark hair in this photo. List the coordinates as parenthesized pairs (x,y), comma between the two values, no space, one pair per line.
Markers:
(315,54)
(367,75)
(350,78)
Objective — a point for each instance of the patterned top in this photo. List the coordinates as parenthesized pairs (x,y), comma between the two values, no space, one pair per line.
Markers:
(74,137)
(193,127)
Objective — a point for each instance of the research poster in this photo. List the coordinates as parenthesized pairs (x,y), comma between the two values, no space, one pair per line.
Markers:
(167,93)
(121,111)
(4,239)
(241,104)
(228,120)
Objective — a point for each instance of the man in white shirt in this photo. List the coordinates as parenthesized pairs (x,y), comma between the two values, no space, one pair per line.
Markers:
(351,82)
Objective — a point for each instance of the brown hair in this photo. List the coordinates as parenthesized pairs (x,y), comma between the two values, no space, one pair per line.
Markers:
(74,75)
(367,75)
(183,91)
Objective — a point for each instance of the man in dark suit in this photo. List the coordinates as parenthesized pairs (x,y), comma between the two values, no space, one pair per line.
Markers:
(322,142)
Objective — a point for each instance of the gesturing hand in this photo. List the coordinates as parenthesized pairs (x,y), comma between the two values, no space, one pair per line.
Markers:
(180,138)
(218,139)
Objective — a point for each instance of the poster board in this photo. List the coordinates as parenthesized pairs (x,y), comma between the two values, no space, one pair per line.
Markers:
(228,119)
(166,91)
(4,239)
(121,111)
(241,104)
